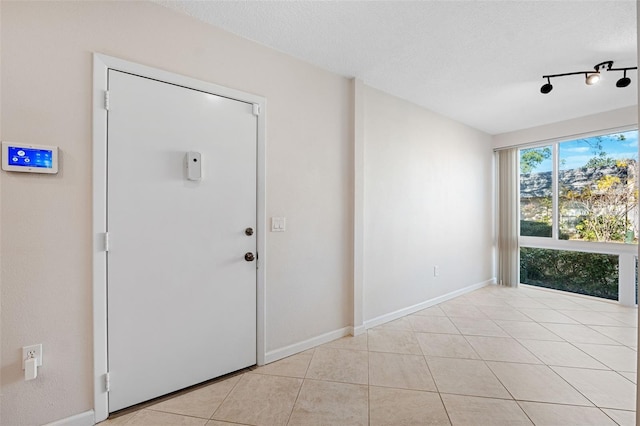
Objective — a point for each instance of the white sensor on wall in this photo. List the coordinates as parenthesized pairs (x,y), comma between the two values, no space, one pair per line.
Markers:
(27,158)
(194,165)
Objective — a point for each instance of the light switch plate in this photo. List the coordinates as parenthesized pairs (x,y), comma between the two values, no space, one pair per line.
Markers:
(278,224)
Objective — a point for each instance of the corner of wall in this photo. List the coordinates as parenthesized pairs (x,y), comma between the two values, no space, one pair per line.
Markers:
(358,204)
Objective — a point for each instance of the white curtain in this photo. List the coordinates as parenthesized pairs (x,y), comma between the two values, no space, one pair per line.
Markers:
(508,181)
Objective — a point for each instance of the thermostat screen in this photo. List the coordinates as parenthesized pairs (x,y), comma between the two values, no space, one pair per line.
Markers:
(30,157)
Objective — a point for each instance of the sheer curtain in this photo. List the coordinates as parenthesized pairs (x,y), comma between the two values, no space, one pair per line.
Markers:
(508,262)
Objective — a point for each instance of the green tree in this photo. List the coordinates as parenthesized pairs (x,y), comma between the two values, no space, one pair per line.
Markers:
(532,157)
(609,205)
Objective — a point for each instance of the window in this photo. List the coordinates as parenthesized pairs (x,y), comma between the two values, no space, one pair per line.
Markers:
(598,195)
(536,197)
(579,215)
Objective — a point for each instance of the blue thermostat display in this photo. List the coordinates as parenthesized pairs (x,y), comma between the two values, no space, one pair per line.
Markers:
(29,158)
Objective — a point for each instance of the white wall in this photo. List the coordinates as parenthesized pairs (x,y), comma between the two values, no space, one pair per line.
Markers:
(591,123)
(428,201)
(46,76)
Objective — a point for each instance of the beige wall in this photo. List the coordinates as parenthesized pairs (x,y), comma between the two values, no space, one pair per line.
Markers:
(427,201)
(46,220)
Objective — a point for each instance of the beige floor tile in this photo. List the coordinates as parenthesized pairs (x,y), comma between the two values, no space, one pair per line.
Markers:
(543,414)
(505,313)
(561,303)
(587,317)
(395,341)
(537,383)
(350,342)
(527,330)
(466,377)
(157,418)
(562,354)
(260,400)
(501,349)
(462,310)
(623,418)
(405,407)
(400,371)
(482,297)
(475,411)
(432,324)
(578,333)
(329,403)
(619,358)
(597,306)
(293,366)
(399,324)
(339,365)
(627,336)
(478,327)
(446,345)
(400,378)
(118,420)
(547,315)
(629,319)
(489,302)
(606,389)
(202,402)
(629,376)
(432,311)
(527,303)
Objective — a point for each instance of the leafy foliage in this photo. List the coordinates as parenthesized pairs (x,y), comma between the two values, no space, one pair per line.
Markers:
(532,228)
(532,157)
(593,274)
(608,205)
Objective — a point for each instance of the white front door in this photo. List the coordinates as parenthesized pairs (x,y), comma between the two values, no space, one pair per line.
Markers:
(181,295)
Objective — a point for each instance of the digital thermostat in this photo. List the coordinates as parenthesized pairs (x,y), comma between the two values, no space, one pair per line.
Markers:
(19,157)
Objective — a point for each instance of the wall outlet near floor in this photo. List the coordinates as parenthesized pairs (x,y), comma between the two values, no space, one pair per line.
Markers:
(436,271)
(33,351)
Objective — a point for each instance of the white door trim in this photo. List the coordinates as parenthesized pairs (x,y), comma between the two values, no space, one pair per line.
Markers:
(101,65)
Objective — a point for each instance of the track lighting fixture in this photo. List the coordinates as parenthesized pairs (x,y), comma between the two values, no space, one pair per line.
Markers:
(591,77)
(624,81)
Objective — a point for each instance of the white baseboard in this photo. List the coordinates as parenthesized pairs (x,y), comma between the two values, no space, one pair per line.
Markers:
(278,354)
(83,419)
(306,344)
(356,331)
(382,319)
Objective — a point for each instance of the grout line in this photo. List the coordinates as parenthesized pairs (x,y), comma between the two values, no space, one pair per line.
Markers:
(227,395)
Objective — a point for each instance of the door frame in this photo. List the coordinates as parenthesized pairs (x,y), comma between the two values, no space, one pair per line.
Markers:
(101,65)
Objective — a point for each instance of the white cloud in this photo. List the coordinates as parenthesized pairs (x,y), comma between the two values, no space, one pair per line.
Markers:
(579,149)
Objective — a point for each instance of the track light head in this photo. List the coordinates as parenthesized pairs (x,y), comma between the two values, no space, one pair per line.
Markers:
(623,82)
(546,88)
(593,78)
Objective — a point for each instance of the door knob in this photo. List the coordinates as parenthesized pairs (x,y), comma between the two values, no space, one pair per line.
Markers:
(249,257)
(248,231)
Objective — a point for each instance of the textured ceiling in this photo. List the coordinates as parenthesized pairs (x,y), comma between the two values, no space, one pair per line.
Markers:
(478,62)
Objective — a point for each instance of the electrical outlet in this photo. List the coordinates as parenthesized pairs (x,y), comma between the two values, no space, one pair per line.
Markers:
(33,351)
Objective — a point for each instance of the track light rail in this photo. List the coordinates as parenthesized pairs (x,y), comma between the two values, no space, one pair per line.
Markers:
(591,76)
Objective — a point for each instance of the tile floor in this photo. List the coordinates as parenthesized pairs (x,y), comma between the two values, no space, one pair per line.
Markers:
(496,356)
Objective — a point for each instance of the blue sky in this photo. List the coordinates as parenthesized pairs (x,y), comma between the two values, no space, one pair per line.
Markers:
(576,153)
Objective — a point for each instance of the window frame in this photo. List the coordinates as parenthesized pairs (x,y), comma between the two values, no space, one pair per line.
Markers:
(627,252)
